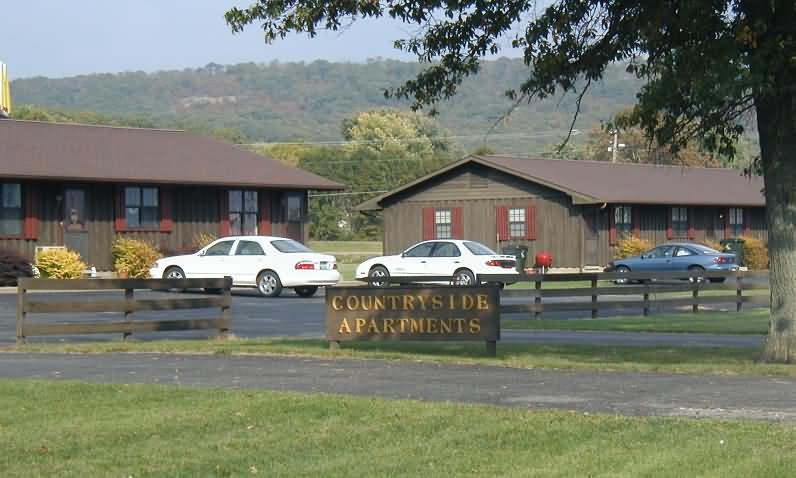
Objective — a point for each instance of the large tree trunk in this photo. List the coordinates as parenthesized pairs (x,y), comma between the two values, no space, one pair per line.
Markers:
(776,118)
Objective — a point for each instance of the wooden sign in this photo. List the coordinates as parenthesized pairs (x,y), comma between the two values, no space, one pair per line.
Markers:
(446,313)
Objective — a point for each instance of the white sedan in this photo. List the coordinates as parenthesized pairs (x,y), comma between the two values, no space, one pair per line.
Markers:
(463,261)
(265,262)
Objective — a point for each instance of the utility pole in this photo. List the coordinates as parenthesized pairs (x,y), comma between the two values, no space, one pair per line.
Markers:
(615,146)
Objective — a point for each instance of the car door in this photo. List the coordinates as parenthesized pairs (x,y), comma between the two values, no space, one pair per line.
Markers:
(413,262)
(657,260)
(683,257)
(245,262)
(213,262)
(444,260)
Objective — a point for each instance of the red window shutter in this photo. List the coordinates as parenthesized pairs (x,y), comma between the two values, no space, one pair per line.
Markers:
(727,230)
(166,209)
(691,229)
(429,231)
(530,223)
(457,226)
(120,223)
(223,213)
(502,219)
(264,227)
(612,226)
(636,221)
(747,221)
(669,226)
(30,227)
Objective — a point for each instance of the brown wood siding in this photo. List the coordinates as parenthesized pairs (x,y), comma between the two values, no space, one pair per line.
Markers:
(194,211)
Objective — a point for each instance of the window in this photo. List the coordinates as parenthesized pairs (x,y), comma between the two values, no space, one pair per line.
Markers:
(289,246)
(141,209)
(249,248)
(679,221)
(517,226)
(682,252)
(420,250)
(443,226)
(243,209)
(736,221)
(219,249)
(660,252)
(11,209)
(446,249)
(623,221)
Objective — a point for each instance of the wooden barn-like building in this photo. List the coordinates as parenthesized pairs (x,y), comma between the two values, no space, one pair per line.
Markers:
(83,186)
(576,210)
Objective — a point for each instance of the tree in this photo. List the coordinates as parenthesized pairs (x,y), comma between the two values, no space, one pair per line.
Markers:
(704,63)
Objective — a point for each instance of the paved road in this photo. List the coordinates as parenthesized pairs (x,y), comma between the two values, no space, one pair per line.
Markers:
(293,316)
(768,399)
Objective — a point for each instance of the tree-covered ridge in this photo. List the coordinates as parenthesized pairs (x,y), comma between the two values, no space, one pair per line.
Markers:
(280,102)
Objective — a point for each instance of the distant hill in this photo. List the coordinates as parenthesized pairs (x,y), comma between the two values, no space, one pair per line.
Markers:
(284,102)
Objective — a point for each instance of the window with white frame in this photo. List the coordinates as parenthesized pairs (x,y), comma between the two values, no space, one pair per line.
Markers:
(243,209)
(679,221)
(141,207)
(517,224)
(736,221)
(10,209)
(623,221)
(442,224)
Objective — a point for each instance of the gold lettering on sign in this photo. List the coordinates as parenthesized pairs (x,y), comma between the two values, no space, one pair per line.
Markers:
(482,302)
(409,302)
(344,328)
(373,327)
(475,326)
(432,326)
(388,328)
(467,302)
(378,303)
(436,302)
(416,326)
(393,299)
(337,302)
(445,326)
(360,324)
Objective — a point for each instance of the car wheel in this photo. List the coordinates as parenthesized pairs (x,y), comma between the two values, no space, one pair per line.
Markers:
(173,272)
(376,273)
(622,270)
(269,284)
(306,291)
(463,277)
(696,270)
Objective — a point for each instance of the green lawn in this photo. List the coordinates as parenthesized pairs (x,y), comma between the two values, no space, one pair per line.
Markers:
(69,429)
(754,321)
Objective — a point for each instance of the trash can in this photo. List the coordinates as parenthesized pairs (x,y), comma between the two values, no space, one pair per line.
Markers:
(734,245)
(520,253)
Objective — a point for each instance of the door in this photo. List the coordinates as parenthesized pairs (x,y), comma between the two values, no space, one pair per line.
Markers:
(591,228)
(414,261)
(657,260)
(76,236)
(246,262)
(213,263)
(444,261)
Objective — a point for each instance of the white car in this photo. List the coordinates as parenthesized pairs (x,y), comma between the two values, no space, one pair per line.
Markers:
(265,262)
(463,261)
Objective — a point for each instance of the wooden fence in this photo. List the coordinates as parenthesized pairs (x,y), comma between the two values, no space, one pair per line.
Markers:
(128,305)
(645,291)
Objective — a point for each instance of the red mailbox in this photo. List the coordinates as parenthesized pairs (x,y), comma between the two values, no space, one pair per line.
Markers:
(543,259)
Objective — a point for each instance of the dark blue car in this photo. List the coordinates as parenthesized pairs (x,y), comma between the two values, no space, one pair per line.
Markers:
(674,257)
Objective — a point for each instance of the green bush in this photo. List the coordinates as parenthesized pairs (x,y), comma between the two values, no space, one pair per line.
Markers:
(631,246)
(60,264)
(755,253)
(134,257)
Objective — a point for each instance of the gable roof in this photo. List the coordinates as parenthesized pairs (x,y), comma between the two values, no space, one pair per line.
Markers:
(32,149)
(597,182)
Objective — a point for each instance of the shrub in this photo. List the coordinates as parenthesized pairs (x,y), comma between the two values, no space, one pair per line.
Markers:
(134,257)
(12,267)
(755,253)
(202,239)
(60,264)
(713,245)
(631,246)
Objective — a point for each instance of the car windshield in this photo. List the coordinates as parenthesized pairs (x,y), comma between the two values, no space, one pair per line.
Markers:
(289,246)
(478,249)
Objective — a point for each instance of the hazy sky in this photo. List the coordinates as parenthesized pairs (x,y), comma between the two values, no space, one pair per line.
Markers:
(58,38)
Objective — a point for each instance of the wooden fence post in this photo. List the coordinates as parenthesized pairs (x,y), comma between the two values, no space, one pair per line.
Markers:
(491,348)
(695,295)
(594,297)
(646,299)
(538,299)
(129,296)
(738,292)
(226,311)
(21,296)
